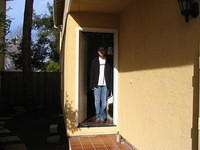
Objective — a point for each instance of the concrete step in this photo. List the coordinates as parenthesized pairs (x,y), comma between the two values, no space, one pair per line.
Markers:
(2,122)
(19,109)
(15,147)
(7,139)
(4,131)
(53,139)
(13,115)
(5,118)
(53,128)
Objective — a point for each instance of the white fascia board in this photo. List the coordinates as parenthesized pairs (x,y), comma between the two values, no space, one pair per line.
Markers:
(66,12)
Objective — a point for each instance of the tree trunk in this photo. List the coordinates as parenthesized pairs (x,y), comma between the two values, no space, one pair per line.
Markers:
(26,39)
(26,51)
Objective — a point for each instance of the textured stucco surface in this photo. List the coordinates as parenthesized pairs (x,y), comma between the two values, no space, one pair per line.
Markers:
(156,63)
(158,53)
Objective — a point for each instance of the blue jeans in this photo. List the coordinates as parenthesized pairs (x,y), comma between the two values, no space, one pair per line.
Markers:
(100,95)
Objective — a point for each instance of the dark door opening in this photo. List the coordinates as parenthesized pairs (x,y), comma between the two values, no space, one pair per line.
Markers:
(88,44)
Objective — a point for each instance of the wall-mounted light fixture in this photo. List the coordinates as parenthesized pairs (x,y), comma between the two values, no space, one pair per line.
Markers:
(188,8)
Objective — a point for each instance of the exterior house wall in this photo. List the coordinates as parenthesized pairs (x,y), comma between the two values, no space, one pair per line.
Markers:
(74,21)
(2,39)
(158,75)
(158,53)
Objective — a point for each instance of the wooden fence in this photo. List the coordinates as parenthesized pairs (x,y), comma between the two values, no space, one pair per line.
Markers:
(44,88)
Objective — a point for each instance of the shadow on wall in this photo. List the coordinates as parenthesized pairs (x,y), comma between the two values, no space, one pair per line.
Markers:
(194,130)
(96,20)
(145,42)
(144,52)
(157,40)
(70,116)
(154,41)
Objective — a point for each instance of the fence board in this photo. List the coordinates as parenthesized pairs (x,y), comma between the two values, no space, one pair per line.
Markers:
(45,88)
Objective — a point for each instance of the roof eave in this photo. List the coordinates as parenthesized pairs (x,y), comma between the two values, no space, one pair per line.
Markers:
(58,10)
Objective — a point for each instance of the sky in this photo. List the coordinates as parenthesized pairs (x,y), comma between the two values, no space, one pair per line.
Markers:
(16,13)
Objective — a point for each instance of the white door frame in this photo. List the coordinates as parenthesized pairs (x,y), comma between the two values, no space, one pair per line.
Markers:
(115,67)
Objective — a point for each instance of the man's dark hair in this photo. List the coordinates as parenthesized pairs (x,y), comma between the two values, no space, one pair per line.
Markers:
(101,48)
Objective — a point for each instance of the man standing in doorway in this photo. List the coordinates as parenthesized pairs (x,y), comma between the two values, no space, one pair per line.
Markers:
(100,82)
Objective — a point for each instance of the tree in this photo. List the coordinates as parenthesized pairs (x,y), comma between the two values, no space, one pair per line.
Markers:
(4,28)
(26,51)
(45,48)
(26,37)
(45,44)
(51,66)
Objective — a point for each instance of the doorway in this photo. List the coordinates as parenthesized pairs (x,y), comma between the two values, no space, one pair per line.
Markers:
(89,41)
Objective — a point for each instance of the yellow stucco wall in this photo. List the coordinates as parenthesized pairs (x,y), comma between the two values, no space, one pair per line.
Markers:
(74,21)
(158,53)
(157,100)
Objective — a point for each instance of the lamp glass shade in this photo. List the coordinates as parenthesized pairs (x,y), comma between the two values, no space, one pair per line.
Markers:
(188,8)
(184,5)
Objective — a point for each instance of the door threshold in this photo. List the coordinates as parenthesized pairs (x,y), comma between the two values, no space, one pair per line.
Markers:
(92,123)
(96,125)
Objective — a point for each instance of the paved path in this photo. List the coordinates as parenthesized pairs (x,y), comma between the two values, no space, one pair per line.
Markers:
(7,140)
(22,130)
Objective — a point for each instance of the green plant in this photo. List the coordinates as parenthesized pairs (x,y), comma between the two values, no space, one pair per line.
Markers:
(51,66)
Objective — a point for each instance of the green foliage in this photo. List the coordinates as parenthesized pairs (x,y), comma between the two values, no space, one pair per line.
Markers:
(51,66)
(45,27)
(5,28)
(44,23)
(45,47)
(5,23)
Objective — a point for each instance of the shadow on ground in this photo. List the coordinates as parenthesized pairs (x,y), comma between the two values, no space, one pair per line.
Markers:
(39,129)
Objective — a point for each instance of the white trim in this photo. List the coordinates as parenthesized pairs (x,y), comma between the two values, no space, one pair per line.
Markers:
(104,30)
(116,74)
(77,70)
(198,54)
(65,16)
(77,76)
(115,53)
